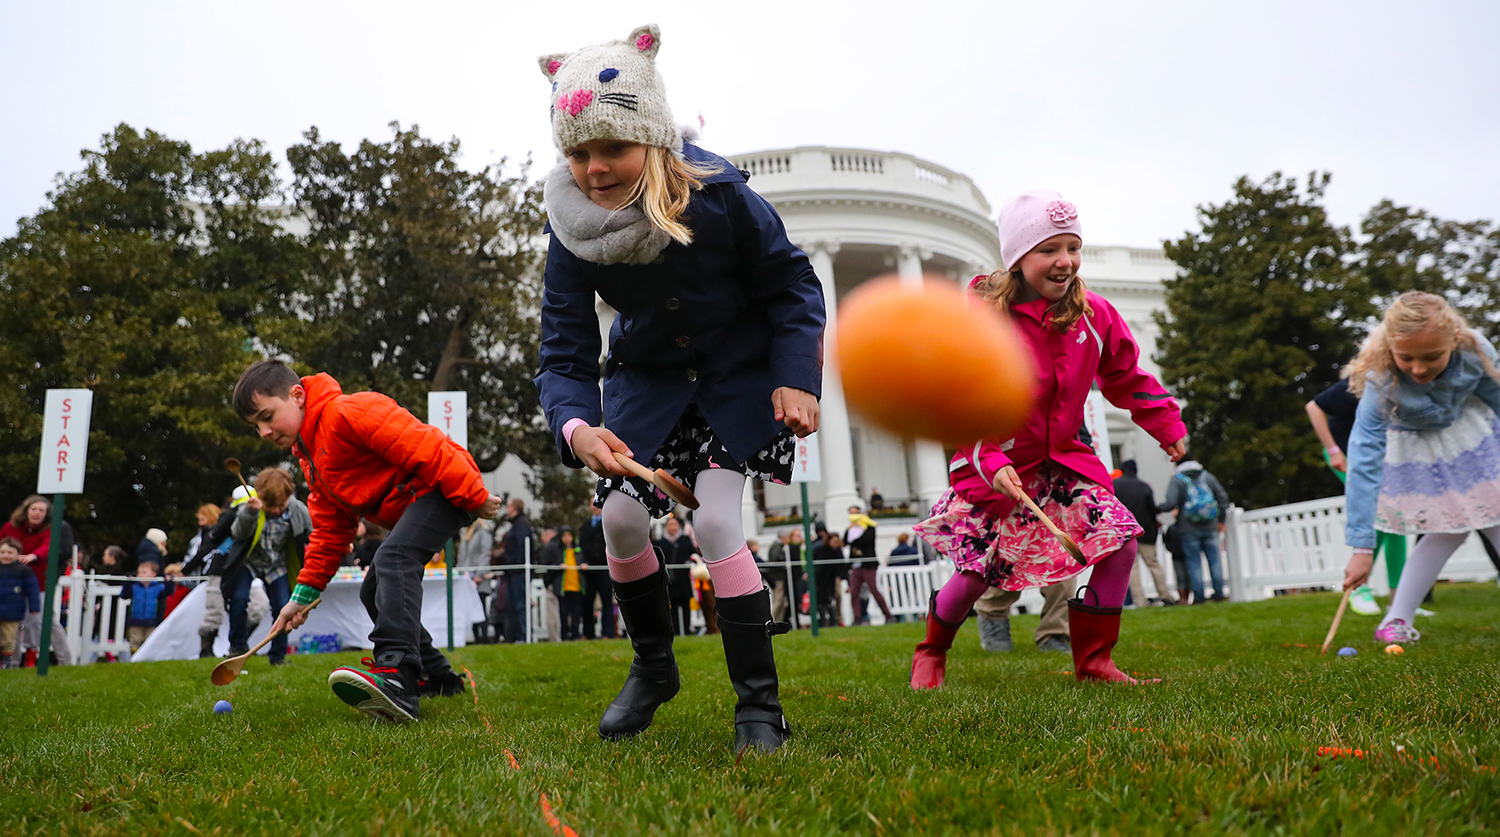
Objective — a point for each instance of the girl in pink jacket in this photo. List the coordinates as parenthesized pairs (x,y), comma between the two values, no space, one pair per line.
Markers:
(1076,339)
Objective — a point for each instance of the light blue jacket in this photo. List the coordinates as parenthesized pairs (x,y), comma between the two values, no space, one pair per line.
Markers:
(1406,405)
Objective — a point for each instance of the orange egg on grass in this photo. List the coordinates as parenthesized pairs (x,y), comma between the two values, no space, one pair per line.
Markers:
(926,362)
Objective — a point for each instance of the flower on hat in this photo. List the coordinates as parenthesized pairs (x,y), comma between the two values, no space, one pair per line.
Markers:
(1061,212)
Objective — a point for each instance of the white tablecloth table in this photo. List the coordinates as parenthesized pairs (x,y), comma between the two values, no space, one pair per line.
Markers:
(340,612)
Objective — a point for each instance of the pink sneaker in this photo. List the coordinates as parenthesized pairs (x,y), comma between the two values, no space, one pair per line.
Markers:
(1397,630)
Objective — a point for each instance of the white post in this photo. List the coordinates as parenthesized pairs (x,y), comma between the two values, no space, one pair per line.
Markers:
(932,466)
(834,436)
(526,590)
(76,583)
(1233,555)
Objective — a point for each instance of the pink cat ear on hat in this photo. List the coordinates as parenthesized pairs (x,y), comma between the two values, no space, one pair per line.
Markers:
(550,64)
(646,39)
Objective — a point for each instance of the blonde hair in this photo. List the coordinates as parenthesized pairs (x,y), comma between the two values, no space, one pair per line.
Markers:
(1413,312)
(664,189)
(1002,288)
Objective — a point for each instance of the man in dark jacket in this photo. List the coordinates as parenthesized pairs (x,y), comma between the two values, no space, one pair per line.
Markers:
(677,551)
(1136,495)
(517,539)
(596,578)
(1201,504)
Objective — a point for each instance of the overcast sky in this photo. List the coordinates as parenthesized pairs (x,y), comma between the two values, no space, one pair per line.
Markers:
(1137,112)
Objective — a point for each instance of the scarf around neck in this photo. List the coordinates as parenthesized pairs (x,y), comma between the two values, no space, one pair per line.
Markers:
(596,234)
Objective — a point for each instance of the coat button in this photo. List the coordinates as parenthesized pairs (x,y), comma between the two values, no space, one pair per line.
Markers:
(692,374)
(684,341)
(673,304)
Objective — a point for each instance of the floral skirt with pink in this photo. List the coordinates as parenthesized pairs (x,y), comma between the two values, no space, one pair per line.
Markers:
(1018,551)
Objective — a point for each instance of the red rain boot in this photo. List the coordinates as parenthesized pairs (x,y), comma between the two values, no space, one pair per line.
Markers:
(1094,632)
(930,662)
(30,658)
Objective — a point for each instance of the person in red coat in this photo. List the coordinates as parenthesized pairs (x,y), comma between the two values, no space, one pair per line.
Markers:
(365,456)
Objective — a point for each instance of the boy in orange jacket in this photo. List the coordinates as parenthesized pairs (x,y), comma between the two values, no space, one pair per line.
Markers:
(365,456)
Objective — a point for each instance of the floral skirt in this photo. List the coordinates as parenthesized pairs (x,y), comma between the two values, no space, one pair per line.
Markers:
(1444,480)
(692,448)
(1018,551)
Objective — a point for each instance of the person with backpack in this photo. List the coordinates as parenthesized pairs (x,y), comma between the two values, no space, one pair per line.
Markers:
(1200,502)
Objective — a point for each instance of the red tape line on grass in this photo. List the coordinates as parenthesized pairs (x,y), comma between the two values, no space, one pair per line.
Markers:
(546,805)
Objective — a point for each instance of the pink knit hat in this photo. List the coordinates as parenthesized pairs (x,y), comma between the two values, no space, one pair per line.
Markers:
(1031,218)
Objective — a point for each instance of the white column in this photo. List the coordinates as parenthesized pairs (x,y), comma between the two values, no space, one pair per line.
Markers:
(932,466)
(837,445)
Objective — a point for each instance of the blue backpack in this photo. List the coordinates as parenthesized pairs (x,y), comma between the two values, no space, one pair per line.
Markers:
(1200,506)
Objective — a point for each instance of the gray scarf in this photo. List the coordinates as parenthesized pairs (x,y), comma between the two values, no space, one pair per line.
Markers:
(596,234)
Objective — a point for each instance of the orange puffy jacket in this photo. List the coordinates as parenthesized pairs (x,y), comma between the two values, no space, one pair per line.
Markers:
(366,456)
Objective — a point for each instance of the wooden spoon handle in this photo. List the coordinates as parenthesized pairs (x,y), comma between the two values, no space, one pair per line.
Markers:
(1337,618)
(1046,521)
(636,468)
(263,643)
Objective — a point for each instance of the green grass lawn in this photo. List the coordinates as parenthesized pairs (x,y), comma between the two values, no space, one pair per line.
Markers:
(1227,744)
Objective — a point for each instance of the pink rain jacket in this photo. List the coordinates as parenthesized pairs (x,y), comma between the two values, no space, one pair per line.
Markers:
(1099,347)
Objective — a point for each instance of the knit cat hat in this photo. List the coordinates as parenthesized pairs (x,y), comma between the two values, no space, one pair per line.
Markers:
(1032,217)
(611,91)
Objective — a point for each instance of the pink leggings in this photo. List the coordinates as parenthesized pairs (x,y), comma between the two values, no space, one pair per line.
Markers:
(1109,581)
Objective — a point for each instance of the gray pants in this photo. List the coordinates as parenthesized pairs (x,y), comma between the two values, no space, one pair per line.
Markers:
(213,607)
(31,637)
(392,590)
(1147,554)
(996,604)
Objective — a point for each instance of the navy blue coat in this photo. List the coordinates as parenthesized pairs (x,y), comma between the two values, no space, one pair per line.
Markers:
(722,323)
(19,592)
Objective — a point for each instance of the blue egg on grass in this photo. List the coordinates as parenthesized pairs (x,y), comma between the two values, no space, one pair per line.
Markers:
(223,707)
(1347,651)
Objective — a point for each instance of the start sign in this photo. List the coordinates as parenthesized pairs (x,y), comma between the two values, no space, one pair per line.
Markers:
(65,441)
(449,412)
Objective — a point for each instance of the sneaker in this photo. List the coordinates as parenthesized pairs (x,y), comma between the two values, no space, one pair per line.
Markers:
(380,692)
(444,685)
(1362,601)
(994,634)
(1397,630)
(1422,611)
(1054,642)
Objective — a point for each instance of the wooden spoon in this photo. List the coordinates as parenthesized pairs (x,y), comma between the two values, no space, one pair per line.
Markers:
(1337,618)
(669,485)
(225,672)
(233,465)
(1062,537)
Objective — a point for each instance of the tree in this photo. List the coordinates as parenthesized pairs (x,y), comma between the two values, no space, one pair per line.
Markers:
(1264,312)
(125,284)
(421,276)
(1412,250)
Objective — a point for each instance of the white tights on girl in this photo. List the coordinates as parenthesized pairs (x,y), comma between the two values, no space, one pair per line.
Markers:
(1422,567)
(717,525)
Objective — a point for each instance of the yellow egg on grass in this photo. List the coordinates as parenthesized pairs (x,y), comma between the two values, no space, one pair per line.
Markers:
(927,362)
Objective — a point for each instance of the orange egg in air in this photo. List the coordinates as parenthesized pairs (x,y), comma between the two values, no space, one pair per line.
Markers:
(926,362)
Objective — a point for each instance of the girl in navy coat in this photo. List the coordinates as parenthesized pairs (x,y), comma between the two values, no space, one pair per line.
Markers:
(714,362)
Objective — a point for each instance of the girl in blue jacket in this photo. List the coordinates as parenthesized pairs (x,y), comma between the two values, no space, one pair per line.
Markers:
(1424,455)
(714,360)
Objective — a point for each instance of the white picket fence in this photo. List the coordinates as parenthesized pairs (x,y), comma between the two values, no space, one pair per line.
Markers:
(94,617)
(1301,545)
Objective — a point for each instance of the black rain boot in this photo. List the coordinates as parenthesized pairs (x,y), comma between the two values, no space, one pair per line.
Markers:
(206,646)
(746,626)
(653,676)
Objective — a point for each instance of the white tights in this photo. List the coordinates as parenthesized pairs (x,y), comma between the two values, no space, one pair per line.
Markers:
(717,524)
(1422,567)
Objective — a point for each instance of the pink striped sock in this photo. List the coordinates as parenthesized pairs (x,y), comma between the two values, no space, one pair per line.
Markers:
(634,568)
(737,575)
